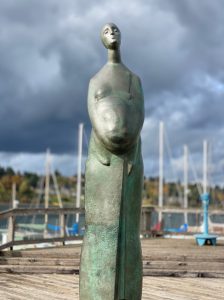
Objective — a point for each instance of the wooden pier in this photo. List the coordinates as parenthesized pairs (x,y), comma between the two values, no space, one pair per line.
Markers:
(173,269)
(65,287)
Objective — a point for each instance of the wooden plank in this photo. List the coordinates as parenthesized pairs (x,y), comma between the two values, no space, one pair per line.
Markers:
(172,265)
(183,258)
(183,273)
(30,261)
(17,269)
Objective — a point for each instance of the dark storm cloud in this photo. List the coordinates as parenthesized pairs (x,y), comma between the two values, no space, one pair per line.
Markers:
(44,78)
(50,49)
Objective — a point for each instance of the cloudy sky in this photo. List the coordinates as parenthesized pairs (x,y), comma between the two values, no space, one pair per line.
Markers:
(51,48)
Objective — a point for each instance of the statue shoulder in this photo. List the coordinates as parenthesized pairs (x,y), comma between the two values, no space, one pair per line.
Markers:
(97,80)
(136,86)
(136,80)
(99,75)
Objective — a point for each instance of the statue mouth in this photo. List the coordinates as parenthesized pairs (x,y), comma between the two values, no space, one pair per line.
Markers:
(113,39)
(118,140)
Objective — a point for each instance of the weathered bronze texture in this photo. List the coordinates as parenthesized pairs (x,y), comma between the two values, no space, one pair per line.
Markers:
(111,261)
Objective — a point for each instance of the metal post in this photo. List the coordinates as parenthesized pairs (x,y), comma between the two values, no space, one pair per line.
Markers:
(205,184)
(185,182)
(205,237)
(205,207)
(11,229)
(11,219)
(79,170)
(62,225)
(161,135)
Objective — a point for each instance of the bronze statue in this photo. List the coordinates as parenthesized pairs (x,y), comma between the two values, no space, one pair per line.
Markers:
(111,261)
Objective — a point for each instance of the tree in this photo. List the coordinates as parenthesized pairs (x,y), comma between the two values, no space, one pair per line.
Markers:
(2,171)
(32,178)
(25,191)
(10,171)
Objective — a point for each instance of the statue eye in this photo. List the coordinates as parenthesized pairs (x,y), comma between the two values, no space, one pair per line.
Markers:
(106,31)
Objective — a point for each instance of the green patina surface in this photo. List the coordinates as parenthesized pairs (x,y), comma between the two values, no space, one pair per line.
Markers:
(111,261)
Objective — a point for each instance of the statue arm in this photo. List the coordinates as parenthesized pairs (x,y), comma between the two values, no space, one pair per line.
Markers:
(137,94)
(101,154)
(90,97)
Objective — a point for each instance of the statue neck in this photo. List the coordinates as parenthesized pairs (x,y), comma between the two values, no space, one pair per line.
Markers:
(114,56)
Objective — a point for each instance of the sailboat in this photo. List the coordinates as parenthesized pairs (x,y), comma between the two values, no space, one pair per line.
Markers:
(33,229)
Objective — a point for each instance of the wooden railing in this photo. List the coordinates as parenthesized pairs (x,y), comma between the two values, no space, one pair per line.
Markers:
(11,215)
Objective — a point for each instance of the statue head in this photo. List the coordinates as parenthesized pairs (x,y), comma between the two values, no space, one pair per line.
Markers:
(111,36)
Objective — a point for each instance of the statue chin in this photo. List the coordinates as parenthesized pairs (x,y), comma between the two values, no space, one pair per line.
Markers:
(116,143)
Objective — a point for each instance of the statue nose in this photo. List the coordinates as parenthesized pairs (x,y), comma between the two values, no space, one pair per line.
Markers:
(115,121)
(111,119)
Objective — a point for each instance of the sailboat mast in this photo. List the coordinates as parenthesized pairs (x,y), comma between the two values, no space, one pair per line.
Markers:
(161,135)
(205,166)
(14,204)
(79,170)
(185,176)
(57,189)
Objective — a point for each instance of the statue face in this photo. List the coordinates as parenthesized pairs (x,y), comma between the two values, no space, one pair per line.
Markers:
(111,36)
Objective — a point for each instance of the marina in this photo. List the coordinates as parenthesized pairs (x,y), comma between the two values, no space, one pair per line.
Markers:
(17,226)
(111,153)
